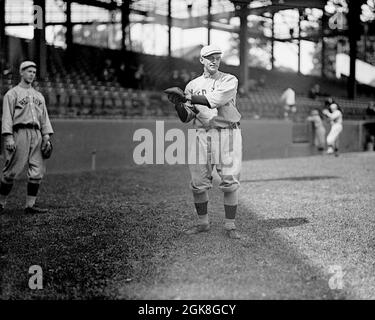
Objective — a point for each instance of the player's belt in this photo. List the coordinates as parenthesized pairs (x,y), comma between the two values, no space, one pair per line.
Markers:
(19,126)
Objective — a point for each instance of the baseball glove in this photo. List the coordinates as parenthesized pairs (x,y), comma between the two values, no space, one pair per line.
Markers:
(47,150)
(175,95)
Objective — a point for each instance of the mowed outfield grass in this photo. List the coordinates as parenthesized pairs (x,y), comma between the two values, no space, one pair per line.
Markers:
(118,234)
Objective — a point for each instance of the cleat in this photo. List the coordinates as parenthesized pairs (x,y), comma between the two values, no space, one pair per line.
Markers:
(35,210)
(198,229)
(233,234)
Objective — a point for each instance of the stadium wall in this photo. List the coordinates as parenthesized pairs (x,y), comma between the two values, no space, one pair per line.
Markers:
(112,141)
(109,143)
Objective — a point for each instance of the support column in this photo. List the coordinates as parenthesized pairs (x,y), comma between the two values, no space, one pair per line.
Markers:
(365,32)
(3,44)
(244,46)
(125,21)
(69,28)
(40,53)
(299,42)
(324,24)
(209,19)
(273,42)
(169,18)
(353,28)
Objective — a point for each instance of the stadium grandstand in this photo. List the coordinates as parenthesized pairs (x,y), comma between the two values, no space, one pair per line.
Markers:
(112,59)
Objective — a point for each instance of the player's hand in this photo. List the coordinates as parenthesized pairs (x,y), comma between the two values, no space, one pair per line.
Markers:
(175,95)
(174,99)
(9,143)
(45,141)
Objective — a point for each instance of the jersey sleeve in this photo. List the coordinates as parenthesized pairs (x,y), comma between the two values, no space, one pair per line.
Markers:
(46,127)
(8,111)
(225,91)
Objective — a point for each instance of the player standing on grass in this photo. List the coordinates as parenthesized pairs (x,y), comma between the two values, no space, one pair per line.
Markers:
(334,114)
(210,101)
(26,129)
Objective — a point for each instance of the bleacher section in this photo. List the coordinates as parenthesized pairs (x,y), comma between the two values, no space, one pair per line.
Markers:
(74,88)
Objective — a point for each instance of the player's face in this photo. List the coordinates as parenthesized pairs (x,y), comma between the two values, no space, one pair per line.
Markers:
(28,75)
(211,63)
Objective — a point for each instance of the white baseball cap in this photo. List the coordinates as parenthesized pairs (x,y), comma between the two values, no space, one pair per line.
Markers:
(27,64)
(211,49)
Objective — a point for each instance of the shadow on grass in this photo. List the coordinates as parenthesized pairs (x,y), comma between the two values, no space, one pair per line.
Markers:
(304,178)
(270,224)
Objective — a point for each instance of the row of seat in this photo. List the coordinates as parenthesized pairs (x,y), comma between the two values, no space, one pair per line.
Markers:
(133,102)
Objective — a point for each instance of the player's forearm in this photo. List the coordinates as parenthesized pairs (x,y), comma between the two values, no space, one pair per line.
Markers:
(7,118)
(199,99)
(218,99)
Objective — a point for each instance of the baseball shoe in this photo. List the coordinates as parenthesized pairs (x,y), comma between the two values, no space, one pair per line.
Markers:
(35,210)
(330,150)
(233,234)
(198,229)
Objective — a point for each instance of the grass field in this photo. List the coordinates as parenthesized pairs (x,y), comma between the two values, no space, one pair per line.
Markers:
(117,234)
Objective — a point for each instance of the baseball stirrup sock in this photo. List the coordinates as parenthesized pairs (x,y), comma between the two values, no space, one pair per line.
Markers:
(230,211)
(32,189)
(201,208)
(5,188)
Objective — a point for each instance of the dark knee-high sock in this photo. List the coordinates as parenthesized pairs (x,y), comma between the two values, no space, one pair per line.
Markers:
(5,189)
(230,207)
(32,191)
(201,202)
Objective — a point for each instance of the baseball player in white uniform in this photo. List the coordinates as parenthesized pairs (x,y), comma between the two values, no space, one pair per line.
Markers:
(26,129)
(335,117)
(212,96)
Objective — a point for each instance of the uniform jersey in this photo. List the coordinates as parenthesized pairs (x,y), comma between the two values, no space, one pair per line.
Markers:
(220,90)
(25,106)
(335,117)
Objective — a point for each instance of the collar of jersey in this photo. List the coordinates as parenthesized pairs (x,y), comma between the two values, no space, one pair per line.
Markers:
(208,75)
(26,88)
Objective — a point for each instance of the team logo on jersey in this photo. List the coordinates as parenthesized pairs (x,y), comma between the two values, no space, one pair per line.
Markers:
(27,100)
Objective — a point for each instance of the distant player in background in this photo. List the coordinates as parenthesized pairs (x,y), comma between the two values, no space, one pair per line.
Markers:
(26,129)
(319,129)
(335,116)
(288,101)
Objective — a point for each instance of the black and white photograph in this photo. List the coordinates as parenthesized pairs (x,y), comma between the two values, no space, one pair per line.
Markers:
(203,152)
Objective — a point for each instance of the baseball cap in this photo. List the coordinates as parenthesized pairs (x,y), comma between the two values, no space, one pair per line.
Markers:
(211,49)
(27,64)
